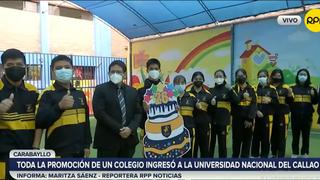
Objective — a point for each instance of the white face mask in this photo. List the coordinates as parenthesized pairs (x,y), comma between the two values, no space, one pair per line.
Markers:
(263,80)
(154,74)
(218,80)
(116,78)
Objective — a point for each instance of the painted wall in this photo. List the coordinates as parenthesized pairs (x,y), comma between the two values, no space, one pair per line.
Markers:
(204,51)
(21,29)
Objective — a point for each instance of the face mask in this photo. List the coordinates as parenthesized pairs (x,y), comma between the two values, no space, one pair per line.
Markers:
(15,73)
(241,79)
(64,75)
(154,74)
(116,78)
(276,80)
(180,88)
(219,80)
(302,78)
(198,83)
(263,81)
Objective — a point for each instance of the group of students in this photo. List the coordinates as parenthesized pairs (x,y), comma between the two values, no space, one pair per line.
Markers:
(259,116)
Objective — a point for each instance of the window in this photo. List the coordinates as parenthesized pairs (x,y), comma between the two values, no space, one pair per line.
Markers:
(84,72)
(33,72)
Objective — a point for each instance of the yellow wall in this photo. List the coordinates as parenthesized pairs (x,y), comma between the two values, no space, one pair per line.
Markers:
(19,29)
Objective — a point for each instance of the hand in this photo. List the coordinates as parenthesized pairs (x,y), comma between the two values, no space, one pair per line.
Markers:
(6,104)
(246,96)
(86,152)
(213,101)
(145,106)
(312,92)
(247,124)
(198,105)
(125,132)
(290,92)
(66,102)
(260,114)
(266,100)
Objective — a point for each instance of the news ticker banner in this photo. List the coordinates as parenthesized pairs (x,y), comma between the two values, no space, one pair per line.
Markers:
(42,164)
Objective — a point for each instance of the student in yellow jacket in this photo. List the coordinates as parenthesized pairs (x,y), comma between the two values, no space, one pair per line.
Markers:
(18,100)
(63,112)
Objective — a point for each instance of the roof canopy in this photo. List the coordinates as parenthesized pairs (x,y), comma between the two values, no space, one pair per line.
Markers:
(142,18)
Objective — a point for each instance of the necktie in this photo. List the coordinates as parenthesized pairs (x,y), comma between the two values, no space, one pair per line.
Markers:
(122,106)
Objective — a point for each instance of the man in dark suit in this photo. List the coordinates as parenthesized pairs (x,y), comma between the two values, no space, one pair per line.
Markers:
(118,113)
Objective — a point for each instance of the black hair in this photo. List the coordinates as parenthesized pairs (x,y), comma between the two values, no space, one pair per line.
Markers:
(222,71)
(263,71)
(61,58)
(275,71)
(176,78)
(119,63)
(195,74)
(224,75)
(12,54)
(308,81)
(153,61)
(241,70)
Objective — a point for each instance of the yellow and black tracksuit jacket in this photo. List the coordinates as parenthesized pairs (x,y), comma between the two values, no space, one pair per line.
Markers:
(67,131)
(245,109)
(220,114)
(18,124)
(303,101)
(267,109)
(221,111)
(187,104)
(202,122)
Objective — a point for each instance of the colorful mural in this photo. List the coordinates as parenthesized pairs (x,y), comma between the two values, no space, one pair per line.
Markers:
(205,51)
(267,45)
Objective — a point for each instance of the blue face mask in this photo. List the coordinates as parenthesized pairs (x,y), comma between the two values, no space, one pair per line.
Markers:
(64,75)
(302,78)
(180,88)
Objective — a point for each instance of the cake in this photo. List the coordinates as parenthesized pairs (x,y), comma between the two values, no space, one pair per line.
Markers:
(166,136)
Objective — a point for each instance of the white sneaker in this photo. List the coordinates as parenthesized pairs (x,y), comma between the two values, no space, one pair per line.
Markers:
(305,156)
(294,156)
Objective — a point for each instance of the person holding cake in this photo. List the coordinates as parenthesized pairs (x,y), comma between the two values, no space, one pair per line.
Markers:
(200,114)
(223,97)
(153,70)
(187,103)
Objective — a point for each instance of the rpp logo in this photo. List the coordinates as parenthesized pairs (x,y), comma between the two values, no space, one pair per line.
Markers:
(312,20)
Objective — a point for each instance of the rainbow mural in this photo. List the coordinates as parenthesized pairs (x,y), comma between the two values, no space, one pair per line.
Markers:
(204,51)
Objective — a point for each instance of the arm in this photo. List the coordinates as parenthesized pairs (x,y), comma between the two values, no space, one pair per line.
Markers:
(134,124)
(99,109)
(314,97)
(253,104)
(88,138)
(48,112)
(289,96)
(274,97)
(234,98)
(37,139)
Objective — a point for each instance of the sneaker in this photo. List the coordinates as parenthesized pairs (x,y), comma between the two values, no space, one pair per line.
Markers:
(294,156)
(305,156)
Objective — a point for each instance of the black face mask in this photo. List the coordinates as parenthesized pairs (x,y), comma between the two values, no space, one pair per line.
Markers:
(241,79)
(15,73)
(198,83)
(276,80)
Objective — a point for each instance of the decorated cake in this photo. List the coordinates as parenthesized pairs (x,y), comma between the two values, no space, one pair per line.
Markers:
(166,136)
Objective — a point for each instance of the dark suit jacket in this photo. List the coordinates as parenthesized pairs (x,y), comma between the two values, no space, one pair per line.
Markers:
(107,111)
